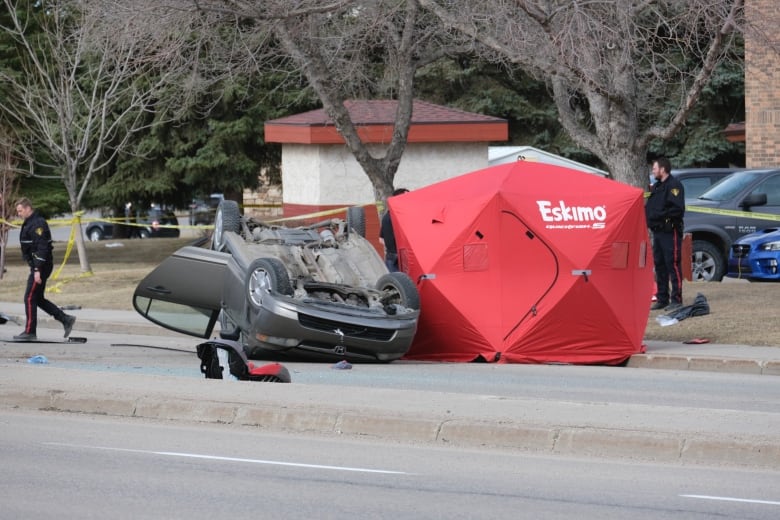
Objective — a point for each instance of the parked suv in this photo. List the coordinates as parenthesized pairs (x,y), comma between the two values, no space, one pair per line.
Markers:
(741,203)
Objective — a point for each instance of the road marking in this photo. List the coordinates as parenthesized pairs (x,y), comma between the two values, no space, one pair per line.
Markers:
(732,499)
(233,459)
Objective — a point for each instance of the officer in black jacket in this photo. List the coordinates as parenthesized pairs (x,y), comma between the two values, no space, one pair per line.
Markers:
(35,238)
(387,236)
(665,209)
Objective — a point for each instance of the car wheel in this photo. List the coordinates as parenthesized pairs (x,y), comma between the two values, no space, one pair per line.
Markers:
(228,218)
(265,276)
(95,234)
(399,289)
(356,220)
(708,264)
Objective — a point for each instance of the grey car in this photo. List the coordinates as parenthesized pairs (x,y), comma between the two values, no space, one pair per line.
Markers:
(318,292)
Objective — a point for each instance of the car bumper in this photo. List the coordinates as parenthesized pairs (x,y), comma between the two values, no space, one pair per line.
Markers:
(757,266)
(331,330)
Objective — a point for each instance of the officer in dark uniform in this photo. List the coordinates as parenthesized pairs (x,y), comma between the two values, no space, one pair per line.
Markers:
(665,209)
(387,236)
(35,238)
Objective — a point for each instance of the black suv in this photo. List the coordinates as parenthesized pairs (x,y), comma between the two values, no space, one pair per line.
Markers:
(146,224)
(742,203)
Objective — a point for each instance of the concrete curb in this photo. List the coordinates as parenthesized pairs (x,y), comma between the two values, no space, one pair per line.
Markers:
(623,432)
(705,363)
(140,327)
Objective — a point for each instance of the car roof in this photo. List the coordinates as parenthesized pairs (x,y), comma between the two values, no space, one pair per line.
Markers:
(704,171)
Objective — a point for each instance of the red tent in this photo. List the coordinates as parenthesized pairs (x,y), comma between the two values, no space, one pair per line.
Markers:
(526,263)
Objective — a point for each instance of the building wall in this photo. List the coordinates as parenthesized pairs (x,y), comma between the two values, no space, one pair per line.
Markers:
(325,175)
(762,85)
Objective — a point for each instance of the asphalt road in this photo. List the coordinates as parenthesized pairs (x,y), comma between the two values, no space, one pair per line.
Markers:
(678,417)
(71,466)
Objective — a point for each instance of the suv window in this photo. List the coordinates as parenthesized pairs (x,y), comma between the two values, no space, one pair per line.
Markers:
(771,187)
(695,186)
(729,187)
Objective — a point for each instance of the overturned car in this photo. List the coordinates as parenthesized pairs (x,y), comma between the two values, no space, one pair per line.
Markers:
(318,292)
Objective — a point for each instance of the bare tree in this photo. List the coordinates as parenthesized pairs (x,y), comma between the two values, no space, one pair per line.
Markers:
(9,184)
(90,78)
(611,64)
(345,49)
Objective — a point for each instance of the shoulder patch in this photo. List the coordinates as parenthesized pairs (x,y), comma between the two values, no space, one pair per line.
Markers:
(676,192)
(39,231)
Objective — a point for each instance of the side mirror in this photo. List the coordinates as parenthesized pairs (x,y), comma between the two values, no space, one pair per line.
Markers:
(754,199)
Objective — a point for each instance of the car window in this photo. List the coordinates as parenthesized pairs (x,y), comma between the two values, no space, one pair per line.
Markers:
(695,186)
(771,187)
(195,321)
(729,187)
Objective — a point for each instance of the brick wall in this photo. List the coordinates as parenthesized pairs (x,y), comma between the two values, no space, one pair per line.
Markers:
(762,84)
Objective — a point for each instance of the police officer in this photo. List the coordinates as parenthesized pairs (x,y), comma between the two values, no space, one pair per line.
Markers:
(665,209)
(387,236)
(35,239)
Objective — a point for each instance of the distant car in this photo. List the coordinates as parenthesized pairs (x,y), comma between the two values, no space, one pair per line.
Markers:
(146,224)
(742,203)
(318,292)
(203,211)
(696,181)
(756,256)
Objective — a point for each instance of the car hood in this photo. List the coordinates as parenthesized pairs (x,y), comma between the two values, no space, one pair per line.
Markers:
(702,203)
(765,235)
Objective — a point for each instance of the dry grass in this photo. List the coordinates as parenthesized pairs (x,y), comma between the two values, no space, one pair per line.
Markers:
(741,313)
(116,270)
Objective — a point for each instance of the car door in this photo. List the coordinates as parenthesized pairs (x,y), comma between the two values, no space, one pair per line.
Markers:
(764,216)
(184,293)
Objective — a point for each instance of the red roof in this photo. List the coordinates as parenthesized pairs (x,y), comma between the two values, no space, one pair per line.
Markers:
(374,121)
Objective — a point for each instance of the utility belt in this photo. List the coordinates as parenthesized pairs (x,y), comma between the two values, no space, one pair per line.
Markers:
(668,226)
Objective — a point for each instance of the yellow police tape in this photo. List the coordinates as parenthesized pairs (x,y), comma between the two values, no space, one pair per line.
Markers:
(733,213)
(57,287)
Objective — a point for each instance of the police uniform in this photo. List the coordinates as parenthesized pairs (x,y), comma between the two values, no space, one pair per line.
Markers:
(35,239)
(665,209)
(388,237)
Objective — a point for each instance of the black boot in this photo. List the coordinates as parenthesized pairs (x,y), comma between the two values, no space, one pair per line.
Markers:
(67,323)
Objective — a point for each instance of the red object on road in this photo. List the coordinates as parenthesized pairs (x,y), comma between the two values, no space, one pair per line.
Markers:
(526,263)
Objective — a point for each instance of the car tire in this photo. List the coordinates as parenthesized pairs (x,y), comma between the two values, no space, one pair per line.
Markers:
(266,276)
(707,262)
(94,234)
(356,220)
(228,218)
(400,290)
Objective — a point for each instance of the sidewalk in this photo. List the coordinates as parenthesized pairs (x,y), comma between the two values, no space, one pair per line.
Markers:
(660,354)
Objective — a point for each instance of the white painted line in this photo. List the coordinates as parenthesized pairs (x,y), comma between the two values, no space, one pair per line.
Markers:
(233,459)
(732,499)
